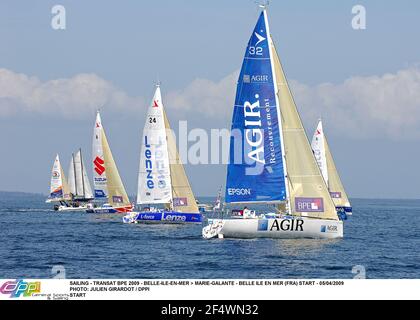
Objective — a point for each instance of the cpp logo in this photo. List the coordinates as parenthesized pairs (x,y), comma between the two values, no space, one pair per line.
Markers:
(20,287)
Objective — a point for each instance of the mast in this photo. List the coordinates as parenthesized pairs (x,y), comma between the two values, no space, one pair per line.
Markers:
(288,206)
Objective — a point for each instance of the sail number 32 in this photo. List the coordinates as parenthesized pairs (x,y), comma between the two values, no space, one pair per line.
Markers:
(255,51)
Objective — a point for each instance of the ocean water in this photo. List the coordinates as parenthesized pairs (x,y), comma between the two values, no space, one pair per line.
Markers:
(382,236)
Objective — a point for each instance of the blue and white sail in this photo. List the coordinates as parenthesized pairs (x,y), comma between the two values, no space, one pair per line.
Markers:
(256,170)
(154,183)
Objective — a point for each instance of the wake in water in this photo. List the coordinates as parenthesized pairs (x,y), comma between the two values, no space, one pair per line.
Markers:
(32,210)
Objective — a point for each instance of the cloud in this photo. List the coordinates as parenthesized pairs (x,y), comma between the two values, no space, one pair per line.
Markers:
(386,106)
(214,99)
(74,97)
(360,107)
(376,106)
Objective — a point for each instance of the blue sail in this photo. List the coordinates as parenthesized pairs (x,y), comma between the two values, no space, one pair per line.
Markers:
(255,171)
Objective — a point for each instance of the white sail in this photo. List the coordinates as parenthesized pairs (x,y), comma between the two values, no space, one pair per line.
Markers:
(117,196)
(338,194)
(88,194)
(182,195)
(154,179)
(59,189)
(99,174)
(327,166)
(78,180)
(308,192)
(318,148)
(72,177)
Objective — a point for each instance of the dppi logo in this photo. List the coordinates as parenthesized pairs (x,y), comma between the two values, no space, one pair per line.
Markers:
(20,287)
(99,165)
(56,174)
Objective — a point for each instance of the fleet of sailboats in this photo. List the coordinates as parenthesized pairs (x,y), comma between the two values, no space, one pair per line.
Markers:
(72,194)
(278,166)
(162,179)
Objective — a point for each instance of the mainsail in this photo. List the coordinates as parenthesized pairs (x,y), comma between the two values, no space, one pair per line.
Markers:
(99,174)
(78,180)
(59,189)
(309,194)
(162,178)
(332,178)
(154,181)
(318,148)
(256,170)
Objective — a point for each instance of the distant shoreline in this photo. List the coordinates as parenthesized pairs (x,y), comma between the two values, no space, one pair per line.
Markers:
(22,193)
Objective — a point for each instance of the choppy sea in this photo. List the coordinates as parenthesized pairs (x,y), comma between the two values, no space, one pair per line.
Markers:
(381,239)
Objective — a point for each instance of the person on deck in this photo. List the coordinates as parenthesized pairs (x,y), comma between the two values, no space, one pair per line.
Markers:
(246,213)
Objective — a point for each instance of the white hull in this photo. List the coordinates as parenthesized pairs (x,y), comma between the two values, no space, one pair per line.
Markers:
(72,209)
(283,228)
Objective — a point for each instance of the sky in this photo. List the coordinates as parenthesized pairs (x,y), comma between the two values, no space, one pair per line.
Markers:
(365,84)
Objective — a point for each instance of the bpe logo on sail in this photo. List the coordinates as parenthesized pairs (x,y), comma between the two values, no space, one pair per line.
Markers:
(309,204)
(20,287)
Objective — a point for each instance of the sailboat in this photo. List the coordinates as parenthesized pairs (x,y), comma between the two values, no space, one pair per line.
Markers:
(162,180)
(329,171)
(275,164)
(78,183)
(59,189)
(107,181)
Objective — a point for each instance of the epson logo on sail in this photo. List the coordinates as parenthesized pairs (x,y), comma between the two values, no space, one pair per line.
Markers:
(239,192)
(254,135)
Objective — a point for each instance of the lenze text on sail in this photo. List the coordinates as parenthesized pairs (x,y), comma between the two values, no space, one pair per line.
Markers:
(160,165)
